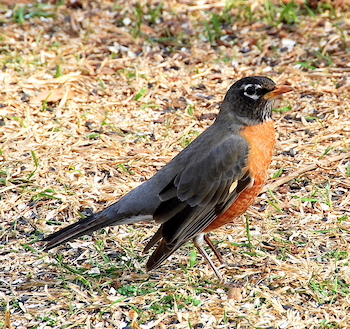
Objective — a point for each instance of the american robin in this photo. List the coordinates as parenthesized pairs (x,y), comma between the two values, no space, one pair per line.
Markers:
(209,184)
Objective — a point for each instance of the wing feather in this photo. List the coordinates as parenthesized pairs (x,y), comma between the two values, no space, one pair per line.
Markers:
(198,194)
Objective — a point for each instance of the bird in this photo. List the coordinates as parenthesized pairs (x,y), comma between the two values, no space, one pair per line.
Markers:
(207,185)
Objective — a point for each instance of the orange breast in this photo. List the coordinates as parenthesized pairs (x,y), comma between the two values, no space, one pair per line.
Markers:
(261,139)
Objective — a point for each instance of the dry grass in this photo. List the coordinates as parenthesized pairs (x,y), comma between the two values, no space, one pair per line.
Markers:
(83,121)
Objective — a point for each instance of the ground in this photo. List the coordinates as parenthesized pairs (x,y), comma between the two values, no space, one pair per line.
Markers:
(96,96)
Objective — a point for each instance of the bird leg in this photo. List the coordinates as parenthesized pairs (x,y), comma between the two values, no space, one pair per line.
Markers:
(214,249)
(198,242)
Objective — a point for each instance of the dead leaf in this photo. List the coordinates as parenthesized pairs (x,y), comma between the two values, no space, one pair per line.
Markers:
(51,96)
(235,293)
(7,324)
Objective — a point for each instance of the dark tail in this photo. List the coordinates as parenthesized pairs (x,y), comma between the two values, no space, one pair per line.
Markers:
(107,217)
(84,226)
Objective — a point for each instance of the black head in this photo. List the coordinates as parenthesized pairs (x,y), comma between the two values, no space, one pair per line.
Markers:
(251,99)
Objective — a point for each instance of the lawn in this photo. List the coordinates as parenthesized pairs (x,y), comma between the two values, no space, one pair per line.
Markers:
(97,96)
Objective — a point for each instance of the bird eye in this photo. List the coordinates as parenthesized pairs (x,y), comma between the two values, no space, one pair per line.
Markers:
(254,91)
(250,90)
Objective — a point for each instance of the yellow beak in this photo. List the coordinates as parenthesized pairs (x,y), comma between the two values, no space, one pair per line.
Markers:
(279,90)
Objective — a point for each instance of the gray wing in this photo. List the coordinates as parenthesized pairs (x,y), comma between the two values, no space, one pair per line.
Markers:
(197,195)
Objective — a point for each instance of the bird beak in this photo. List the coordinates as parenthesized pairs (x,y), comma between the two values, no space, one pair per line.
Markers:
(279,90)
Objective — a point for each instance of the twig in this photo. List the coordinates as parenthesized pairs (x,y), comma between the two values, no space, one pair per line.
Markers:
(273,185)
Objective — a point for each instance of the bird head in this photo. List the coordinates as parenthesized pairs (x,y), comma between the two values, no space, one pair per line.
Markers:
(251,99)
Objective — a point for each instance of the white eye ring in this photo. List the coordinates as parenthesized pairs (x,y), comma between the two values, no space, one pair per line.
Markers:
(252,96)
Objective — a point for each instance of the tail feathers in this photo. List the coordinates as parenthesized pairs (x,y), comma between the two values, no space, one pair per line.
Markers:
(108,217)
(75,230)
